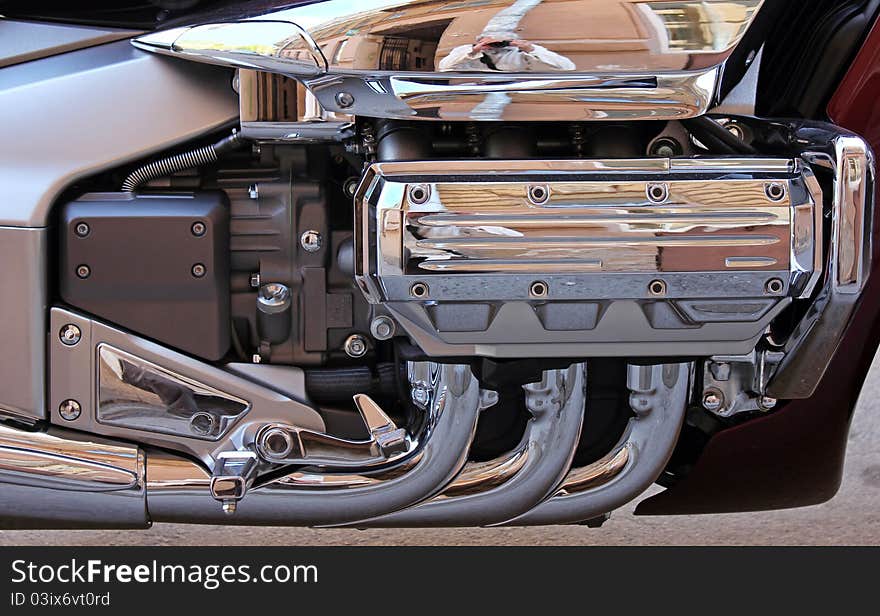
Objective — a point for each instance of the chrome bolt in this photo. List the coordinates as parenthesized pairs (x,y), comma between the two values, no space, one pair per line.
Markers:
(253,191)
(70,334)
(539,194)
(350,186)
(420,395)
(713,400)
(198,229)
(382,328)
(775,191)
(419,289)
(202,423)
(657,193)
(69,410)
(82,229)
(198,270)
(538,288)
(344,99)
(419,193)
(229,506)
(355,346)
(774,285)
(83,271)
(657,288)
(255,281)
(311,241)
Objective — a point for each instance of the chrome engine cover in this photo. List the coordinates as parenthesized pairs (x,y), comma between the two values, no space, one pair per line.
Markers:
(588,257)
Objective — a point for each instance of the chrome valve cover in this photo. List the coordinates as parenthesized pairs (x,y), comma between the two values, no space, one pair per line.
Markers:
(590,254)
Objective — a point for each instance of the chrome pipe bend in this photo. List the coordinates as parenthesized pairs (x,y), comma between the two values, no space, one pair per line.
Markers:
(535,468)
(658,397)
(178,491)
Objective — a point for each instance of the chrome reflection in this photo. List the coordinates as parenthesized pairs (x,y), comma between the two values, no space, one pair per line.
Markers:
(493,59)
(134,393)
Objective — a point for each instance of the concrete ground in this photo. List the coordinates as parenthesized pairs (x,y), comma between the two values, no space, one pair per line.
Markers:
(851,518)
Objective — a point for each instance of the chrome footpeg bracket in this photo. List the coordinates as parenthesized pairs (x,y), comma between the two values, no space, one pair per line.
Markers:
(284,444)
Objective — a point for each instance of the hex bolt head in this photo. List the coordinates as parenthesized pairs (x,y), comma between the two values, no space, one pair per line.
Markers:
(713,400)
(82,229)
(355,346)
(350,186)
(199,270)
(382,328)
(83,271)
(69,410)
(344,99)
(198,229)
(311,241)
(70,334)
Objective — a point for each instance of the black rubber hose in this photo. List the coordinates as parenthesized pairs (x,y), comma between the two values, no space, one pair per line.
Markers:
(332,385)
(178,162)
(715,137)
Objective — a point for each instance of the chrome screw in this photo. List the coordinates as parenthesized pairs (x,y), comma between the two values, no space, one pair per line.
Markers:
(311,241)
(420,395)
(69,410)
(539,194)
(82,229)
(419,193)
(382,328)
(344,99)
(198,270)
(774,191)
(657,193)
(538,288)
(419,289)
(774,285)
(713,400)
(199,229)
(70,334)
(657,288)
(83,271)
(355,346)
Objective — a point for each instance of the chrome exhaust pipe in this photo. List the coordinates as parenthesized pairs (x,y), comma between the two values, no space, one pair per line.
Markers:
(658,397)
(62,479)
(494,492)
(179,491)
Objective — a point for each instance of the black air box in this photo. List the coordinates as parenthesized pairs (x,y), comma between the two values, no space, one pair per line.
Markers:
(157,265)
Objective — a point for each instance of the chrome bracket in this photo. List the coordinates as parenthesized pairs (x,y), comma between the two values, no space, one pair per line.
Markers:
(234,473)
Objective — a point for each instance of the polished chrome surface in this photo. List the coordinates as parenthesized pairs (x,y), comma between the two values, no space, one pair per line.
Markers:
(496,491)
(820,330)
(490,225)
(451,399)
(658,398)
(137,394)
(492,60)
(63,479)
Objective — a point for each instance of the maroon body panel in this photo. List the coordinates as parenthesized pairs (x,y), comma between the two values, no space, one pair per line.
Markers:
(794,456)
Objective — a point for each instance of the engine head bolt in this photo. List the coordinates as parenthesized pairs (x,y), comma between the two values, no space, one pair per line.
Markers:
(419,193)
(774,285)
(70,334)
(198,229)
(538,288)
(81,229)
(657,288)
(83,271)
(657,193)
(311,241)
(775,191)
(539,194)
(382,328)
(766,402)
(355,346)
(713,400)
(198,270)
(419,290)
(344,99)
(69,410)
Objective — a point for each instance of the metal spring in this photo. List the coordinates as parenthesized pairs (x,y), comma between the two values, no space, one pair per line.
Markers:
(169,165)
